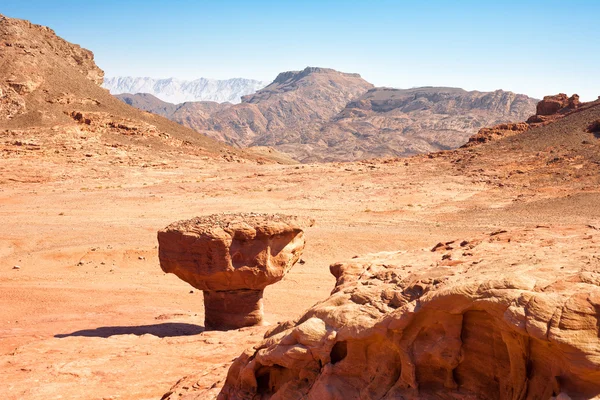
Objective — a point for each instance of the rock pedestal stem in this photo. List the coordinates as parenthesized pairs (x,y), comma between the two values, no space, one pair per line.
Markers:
(232,309)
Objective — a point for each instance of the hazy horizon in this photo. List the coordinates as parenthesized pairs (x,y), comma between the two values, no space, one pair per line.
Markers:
(539,48)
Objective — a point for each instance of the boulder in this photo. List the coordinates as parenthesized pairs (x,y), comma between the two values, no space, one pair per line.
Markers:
(232,258)
(507,315)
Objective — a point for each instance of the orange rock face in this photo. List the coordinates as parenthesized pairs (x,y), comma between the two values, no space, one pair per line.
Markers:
(509,315)
(232,258)
(554,104)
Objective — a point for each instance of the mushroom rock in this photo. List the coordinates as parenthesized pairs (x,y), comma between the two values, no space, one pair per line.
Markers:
(507,315)
(232,258)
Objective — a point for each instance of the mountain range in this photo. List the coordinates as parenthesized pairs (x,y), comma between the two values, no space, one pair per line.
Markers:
(319,114)
(178,91)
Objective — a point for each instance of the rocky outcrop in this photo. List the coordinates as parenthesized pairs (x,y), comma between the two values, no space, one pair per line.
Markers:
(549,110)
(497,132)
(231,258)
(555,104)
(594,127)
(508,315)
(104,122)
(11,103)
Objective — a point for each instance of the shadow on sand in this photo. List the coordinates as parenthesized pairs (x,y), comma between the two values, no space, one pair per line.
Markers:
(169,329)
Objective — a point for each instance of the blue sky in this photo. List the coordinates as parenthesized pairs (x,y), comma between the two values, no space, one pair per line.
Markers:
(531,47)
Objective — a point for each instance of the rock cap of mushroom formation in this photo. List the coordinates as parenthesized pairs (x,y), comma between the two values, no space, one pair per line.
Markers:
(232,251)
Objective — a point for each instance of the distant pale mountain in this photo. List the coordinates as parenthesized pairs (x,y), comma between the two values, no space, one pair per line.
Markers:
(319,114)
(180,91)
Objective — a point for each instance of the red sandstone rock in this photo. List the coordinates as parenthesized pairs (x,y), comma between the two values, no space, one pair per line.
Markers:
(510,315)
(232,258)
(554,104)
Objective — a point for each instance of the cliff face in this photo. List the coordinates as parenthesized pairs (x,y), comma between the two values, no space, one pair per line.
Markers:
(507,315)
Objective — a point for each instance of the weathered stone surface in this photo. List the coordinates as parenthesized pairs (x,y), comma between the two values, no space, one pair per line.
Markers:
(232,258)
(509,315)
(554,104)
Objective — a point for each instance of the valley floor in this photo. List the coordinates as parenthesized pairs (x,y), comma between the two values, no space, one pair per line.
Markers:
(90,314)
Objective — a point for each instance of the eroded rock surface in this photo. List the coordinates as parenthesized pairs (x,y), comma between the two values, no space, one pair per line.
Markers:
(508,315)
(232,258)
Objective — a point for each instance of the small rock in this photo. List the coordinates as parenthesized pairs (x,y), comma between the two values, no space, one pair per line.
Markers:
(16,267)
(80,263)
(191,292)
(141,258)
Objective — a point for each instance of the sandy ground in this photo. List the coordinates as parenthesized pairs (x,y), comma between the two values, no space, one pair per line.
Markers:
(90,314)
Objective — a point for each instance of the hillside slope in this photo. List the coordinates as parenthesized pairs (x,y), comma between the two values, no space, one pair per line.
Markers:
(50,98)
(388,122)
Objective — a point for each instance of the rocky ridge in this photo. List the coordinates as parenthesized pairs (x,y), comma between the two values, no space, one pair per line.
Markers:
(387,122)
(179,91)
(319,114)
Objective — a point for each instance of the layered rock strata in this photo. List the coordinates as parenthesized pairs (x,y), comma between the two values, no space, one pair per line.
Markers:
(508,315)
(232,258)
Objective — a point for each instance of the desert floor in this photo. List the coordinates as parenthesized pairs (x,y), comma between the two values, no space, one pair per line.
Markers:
(90,314)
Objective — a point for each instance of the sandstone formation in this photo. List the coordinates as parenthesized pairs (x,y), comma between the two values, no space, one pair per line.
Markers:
(323,115)
(557,104)
(231,258)
(507,315)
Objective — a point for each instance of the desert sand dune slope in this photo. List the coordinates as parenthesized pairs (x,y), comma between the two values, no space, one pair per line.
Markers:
(87,313)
